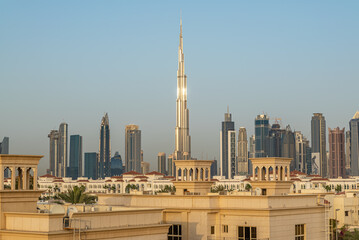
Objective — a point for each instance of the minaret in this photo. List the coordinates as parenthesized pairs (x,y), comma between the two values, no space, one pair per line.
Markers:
(182,138)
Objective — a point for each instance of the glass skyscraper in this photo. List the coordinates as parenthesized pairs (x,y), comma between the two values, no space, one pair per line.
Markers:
(261,124)
(75,168)
(318,130)
(116,165)
(104,164)
(91,159)
(227,148)
(4,146)
(354,145)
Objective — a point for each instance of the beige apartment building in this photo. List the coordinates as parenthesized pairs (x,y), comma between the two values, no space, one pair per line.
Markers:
(267,212)
(20,218)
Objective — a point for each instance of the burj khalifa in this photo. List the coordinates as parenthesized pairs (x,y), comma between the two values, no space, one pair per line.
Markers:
(182,138)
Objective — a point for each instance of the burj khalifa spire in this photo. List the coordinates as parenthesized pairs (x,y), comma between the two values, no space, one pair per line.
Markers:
(183,139)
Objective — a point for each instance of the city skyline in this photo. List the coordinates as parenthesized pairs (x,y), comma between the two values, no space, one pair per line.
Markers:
(82,117)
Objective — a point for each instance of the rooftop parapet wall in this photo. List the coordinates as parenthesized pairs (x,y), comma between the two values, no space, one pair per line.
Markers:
(211,202)
(40,222)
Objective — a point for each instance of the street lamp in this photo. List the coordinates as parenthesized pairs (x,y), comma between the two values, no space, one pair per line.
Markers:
(336,224)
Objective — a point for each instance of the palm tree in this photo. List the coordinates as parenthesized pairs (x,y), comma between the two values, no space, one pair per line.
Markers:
(248,187)
(77,195)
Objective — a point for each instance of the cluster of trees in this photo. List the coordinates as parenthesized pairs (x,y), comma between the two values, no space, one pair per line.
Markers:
(74,196)
(221,188)
(337,189)
(168,189)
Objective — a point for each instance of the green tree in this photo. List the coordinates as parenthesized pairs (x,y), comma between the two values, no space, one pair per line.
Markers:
(327,187)
(338,188)
(131,186)
(77,195)
(248,187)
(168,189)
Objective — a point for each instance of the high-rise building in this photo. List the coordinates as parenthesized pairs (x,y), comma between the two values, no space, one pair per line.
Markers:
(354,145)
(261,135)
(54,153)
(288,146)
(161,160)
(227,148)
(4,146)
(242,152)
(252,152)
(214,168)
(318,131)
(145,167)
(116,165)
(336,153)
(75,169)
(133,148)
(301,155)
(170,166)
(347,153)
(91,161)
(104,164)
(275,141)
(182,137)
(62,150)
(309,159)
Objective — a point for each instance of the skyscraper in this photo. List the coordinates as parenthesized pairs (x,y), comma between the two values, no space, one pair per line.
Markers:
(336,153)
(4,146)
(301,155)
(347,153)
(288,146)
(242,152)
(116,165)
(91,160)
(182,137)
(261,124)
(104,164)
(133,148)
(170,166)
(161,160)
(75,169)
(227,148)
(252,152)
(319,142)
(214,168)
(275,142)
(354,145)
(53,154)
(63,150)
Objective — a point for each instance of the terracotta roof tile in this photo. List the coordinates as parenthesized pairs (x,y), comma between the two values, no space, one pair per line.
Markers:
(47,176)
(155,173)
(131,173)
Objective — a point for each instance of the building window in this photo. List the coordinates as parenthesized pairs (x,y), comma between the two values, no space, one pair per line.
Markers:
(225,228)
(346,213)
(299,232)
(247,233)
(175,232)
(212,229)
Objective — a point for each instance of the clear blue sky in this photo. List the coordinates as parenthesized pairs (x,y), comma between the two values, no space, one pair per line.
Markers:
(75,60)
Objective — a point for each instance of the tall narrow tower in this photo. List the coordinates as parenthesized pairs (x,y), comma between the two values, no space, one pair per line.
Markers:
(104,164)
(319,141)
(182,138)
